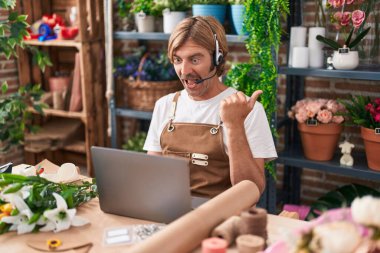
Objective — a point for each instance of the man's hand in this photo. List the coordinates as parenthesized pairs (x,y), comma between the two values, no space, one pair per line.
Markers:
(235,108)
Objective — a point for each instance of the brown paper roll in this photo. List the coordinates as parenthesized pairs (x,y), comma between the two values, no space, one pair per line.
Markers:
(187,232)
(228,230)
(250,243)
(254,222)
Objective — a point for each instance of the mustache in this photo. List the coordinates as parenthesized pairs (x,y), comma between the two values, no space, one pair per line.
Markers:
(190,77)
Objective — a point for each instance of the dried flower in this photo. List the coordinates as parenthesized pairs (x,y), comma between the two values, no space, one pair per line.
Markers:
(322,110)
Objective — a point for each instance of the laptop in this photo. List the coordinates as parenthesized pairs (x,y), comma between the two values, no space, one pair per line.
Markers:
(141,186)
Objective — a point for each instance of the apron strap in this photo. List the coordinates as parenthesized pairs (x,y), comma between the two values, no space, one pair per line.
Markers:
(173,110)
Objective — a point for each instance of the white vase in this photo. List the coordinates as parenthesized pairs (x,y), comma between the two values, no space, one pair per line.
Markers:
(144,23)
(346,61)
(171,19)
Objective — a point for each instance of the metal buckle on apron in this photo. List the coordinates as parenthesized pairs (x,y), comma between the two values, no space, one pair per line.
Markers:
(170,127)
(199,156)
(215,130)
(199,162)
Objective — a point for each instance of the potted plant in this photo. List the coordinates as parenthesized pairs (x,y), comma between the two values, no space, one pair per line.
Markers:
(365,112)
(215,8)
(319,125)
(145,13)
(237,16)
(173,12)
(348,18)
(147,79)
(136,143)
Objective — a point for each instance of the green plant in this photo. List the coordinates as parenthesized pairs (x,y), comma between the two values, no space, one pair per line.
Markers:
(123,8)
(173,5)
(14,116)
(209,2)
(262,22)
(362,111)
(340,197)
(149,7)
(136,142)
(13,107)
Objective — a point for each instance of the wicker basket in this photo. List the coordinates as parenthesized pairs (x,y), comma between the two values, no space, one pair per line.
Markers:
(142,95)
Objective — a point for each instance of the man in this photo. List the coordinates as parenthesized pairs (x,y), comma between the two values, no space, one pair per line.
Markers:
(224,134)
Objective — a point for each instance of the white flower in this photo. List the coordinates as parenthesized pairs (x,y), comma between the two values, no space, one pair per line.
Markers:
(335,237)
(20,222)
(365,211)
(61,218)
(23,193)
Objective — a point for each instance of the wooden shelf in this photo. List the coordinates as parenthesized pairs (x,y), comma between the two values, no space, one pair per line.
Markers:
(63,114)
(54,43)
(77,147)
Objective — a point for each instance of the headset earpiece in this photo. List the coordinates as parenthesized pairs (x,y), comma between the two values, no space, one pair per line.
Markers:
(218,55)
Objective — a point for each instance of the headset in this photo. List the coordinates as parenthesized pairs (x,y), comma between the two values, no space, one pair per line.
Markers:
(217,55)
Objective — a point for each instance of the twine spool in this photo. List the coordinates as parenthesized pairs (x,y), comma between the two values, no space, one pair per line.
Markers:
(254,222)
(250,243)
(228,230)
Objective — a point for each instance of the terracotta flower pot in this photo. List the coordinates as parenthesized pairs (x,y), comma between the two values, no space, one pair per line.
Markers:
(372,147)
(319,142)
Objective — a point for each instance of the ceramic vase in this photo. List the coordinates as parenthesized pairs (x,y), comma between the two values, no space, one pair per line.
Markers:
(345,61)
(171,19)
(144,23)
(372,147)
(319,141)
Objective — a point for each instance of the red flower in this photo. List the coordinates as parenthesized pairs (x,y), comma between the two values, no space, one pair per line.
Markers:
(377,101)
(377,117)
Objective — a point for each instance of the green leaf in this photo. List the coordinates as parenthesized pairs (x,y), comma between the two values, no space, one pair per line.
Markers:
(331,43)
(14,188)
(12,16)
(4,87)
(347,42)
(35,217)
(358,38)
(22,18)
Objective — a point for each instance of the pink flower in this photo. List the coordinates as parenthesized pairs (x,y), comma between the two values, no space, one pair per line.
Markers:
(324,116)
(301,115)
(377,101)
(312,108)
(346,17)
(336,3)
(377,117)
(338,16)
(349,2)
(358,17)
(332,105)
(337,119)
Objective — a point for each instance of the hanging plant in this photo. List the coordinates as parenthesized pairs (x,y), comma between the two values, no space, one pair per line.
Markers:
(262,22)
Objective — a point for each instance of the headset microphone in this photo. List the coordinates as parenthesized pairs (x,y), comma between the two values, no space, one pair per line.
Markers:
(199,81)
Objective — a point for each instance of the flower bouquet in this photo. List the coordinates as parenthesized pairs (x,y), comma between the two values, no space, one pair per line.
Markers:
(348,17)
(319,125)
(364,112)
(33,203)
(344,230)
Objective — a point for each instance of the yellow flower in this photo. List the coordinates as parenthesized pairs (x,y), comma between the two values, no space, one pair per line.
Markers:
(53,243)
(6,208)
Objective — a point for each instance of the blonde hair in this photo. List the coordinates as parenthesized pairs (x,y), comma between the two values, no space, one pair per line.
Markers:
(201,30)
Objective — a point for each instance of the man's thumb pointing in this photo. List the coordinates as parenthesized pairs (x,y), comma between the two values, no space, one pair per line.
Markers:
(254,97)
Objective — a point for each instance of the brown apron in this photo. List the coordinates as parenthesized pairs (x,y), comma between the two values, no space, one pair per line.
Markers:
(203,145)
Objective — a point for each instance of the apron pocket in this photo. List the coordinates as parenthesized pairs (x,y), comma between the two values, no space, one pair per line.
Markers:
(186,155)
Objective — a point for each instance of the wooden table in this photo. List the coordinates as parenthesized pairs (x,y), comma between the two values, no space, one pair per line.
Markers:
(94,232)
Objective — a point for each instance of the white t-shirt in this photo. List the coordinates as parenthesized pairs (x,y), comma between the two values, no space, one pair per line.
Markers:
(207,111)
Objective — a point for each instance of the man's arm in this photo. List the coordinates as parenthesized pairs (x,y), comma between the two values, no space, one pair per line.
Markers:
(243,166)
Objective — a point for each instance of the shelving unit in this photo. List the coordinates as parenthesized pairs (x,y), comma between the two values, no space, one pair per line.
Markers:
(90,45)
(292,158)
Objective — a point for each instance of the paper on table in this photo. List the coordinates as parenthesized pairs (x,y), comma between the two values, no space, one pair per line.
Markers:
(65,173)
(197,225)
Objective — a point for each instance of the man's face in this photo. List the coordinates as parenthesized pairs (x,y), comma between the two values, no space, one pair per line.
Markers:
(193,62)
